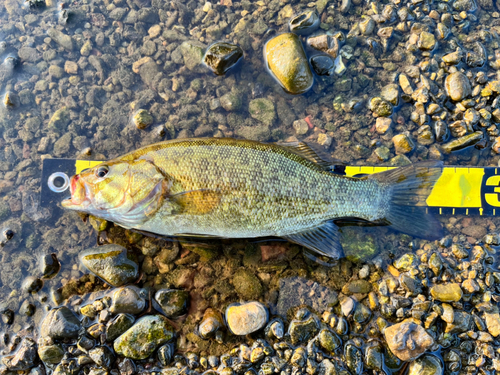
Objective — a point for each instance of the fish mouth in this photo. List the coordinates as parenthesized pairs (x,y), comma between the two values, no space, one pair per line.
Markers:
(80,194)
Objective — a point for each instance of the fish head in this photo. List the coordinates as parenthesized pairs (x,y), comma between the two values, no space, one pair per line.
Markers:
(125,192)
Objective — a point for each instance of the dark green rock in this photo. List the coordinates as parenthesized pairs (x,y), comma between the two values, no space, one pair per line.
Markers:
(329,340)
(301,331)
(247,285)
(221,56)
(51,354)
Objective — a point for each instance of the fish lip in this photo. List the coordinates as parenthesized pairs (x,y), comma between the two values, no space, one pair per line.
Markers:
(72,202)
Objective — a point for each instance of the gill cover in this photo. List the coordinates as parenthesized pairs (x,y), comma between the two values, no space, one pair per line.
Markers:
(125,192)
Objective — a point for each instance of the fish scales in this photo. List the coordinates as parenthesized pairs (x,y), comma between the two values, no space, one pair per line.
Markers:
(236,188)
(264,189)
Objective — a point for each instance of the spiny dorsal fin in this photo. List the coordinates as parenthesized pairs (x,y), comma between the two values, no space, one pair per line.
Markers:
(312,153)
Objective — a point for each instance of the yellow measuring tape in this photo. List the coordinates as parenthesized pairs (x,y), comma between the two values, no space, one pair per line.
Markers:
(459,190)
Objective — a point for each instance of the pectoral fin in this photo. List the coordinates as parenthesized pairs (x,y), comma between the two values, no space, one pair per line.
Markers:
(196,202)
(323,239)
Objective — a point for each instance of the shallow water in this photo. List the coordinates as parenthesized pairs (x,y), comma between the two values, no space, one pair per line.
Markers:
(99,88)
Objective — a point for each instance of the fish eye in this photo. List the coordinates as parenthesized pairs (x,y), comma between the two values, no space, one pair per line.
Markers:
(102,171)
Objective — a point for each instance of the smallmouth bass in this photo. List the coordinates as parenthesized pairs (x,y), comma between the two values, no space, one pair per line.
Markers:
(222,187)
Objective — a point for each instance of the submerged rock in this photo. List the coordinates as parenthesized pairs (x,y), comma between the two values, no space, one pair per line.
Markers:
(245,318)
(142,119)
(49,266)
(450,292)
(142,339)
(287,61)
(322,65)
(221,56)
(110,263)
(457,86)
(60,323)
(262,109)
(304,23)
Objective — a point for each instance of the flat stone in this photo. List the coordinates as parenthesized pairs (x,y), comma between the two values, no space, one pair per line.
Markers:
(243,319)
(144,337)
(492,323)
(407,340)
(25,357)
(457,86)
(110,263)
(60,38)
(127,300)
(450,292)
(426,365)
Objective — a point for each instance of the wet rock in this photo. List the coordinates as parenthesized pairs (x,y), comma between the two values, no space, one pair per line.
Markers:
(60,323)
(220,57)
(50,266)
(302,330)
(287,61)
(450,292)
(329,340)
(492,320)
(390,93)
(275,329)
(67,367)
(231,101)
(426,41)
(304,23)
(354,359)
(325,43)
(118,325)
(380,107)
(301,127)
(144,337)
(358,246)
(60,38)
(407,340)
(192,53)
(8,316)
(60,119)
(173,302)
(322,65)
(426,365)
(51,354)
(245,318)
(462,142)
(32,284)
(357,286)
(457,86)
(212,322)
(27,308)
(166,353)
(11,100)
(374,356)
(262,110)
(25,357)
(403,144)
(127,300)
(142,119)
(102,356)
(110,263)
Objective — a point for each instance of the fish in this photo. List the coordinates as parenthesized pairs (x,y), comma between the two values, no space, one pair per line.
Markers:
(232,188)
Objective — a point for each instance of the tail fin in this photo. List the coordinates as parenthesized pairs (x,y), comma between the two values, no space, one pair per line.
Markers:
(410,186)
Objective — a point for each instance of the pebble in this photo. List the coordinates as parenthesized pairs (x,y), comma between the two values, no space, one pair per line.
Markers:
(300,127)
(262,109)
(211,323)
(144,337)
(402,144)
(428,364)
(245,318)
(304,23)
(110,263)
(60,38)
(127,300)
(383,124)
(49,266)
(25,357)
(221,56)
(142,119)
(450,292)
(287,62)
(457,86)
(60,323)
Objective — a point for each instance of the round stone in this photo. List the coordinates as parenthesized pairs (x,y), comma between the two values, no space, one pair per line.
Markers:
(457,86)
(212,321)
(403,144)
(243,319)
(262,110)
(304,23)
(142,119)
(450,292)
(287,61)
(322,65)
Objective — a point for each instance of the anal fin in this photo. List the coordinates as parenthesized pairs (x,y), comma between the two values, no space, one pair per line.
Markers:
(323,239)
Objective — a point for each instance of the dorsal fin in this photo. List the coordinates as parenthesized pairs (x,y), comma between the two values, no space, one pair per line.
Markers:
(312,153)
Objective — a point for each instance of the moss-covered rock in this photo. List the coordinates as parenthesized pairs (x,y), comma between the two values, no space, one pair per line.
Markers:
(262,110)
(144,337)
(247,285)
